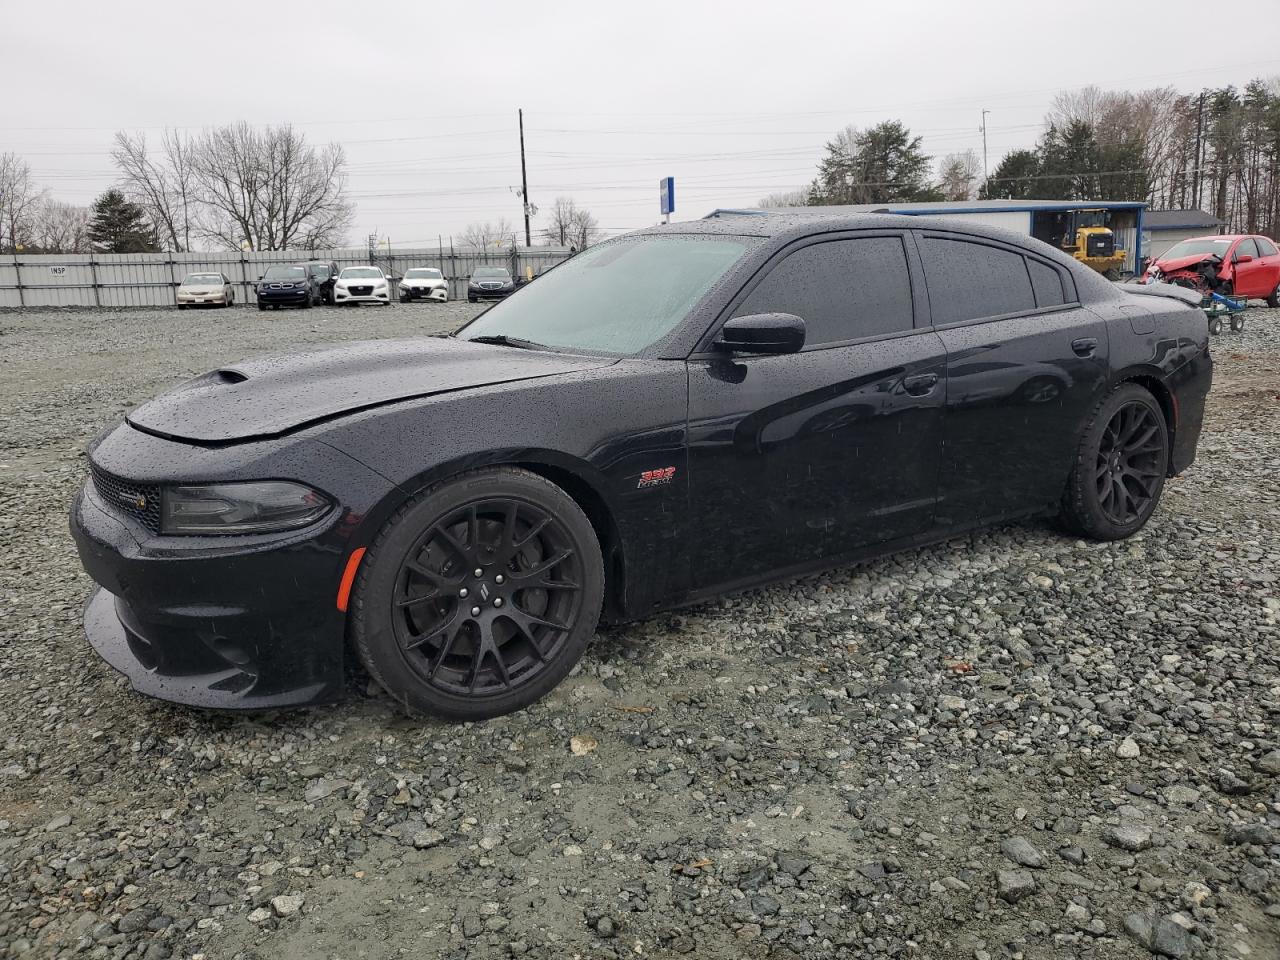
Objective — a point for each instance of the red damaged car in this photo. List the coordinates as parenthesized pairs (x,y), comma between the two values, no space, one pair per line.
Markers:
(1236,265)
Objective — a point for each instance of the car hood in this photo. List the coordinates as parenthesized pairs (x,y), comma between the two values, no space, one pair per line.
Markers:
(1181,263)
(269,396)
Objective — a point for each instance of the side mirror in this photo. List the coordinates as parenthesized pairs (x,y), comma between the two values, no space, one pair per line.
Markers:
(762,333)
(1244,258)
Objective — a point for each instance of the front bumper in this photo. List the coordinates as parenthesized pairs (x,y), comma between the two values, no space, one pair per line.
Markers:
(284,297)
(189,299)
(477,294)
(232,622)
(438,294)
(377,296)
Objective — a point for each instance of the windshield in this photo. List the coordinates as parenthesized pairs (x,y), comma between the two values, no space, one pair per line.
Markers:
(421,274)
(358,273)
(284,273)
(619,297)
(491,273)
(202,279)
(1191,248)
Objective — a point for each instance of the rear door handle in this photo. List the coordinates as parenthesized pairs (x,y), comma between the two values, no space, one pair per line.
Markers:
(921,384)
(1085,346)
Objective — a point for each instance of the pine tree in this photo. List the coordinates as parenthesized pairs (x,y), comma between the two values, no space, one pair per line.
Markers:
(1014,178)
(119,226)
(882,164)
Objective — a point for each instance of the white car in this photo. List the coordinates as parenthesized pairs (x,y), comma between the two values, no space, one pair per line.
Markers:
(362,285)
(205,288)
(424,283)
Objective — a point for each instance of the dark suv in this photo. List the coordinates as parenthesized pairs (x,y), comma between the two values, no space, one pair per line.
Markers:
(323,273)
(286,287)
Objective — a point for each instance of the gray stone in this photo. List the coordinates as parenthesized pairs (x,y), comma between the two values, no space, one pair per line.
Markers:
(1021,851)
(286,905)
(1128,835)
(1015,885)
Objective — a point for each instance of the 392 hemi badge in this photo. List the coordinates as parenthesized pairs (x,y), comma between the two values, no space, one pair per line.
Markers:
(656,478)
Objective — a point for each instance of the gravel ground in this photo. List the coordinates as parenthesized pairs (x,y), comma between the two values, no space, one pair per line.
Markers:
(1010,745)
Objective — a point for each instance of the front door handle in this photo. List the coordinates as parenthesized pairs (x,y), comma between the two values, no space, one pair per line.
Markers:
(921,384)
(1084,346)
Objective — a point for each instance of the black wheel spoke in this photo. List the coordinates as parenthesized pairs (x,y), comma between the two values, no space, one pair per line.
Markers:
(447,629)
(538,569)
(437,580)
(1131,454)
(414,601)
(454,544)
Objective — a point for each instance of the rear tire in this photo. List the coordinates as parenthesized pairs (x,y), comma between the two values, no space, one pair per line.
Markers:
(442,640)
(1215,325)
(1120,467)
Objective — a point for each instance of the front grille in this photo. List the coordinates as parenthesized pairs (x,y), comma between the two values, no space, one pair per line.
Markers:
(137,500)
(1100,245)
(491,286)
(360,291)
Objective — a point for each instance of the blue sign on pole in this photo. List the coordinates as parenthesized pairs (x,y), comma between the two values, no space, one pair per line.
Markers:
(667,195)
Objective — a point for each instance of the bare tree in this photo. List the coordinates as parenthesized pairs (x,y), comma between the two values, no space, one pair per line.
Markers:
(482,236)
(571,225)
(786,198)
(19,201)
(270,189)
(164,187)
(958,175)
(61,228)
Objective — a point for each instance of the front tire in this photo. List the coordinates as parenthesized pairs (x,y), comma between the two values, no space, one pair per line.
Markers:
(1120,467)
(479,595)
(1274,300)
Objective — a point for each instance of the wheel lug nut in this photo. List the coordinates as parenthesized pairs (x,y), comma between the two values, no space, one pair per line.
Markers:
(499,579)
(475,611)
(463,592)
(479,572)
(497,602)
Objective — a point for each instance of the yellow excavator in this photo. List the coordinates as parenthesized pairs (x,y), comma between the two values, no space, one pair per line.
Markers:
(1087,237)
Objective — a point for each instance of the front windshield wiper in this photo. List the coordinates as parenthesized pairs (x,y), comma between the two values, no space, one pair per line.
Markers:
(504,341)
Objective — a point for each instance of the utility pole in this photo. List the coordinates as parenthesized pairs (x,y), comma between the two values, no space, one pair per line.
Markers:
(524,184)
(984,147)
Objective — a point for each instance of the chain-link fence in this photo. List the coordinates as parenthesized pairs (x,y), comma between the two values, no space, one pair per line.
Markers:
(151,279)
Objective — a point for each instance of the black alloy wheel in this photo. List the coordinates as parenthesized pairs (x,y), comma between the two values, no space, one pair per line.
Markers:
(479,596)
(1131,457)
(1120,468)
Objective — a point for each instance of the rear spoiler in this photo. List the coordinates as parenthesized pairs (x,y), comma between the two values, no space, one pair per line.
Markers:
(1170,291)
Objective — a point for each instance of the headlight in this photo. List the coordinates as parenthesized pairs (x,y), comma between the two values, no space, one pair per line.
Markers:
(256,507)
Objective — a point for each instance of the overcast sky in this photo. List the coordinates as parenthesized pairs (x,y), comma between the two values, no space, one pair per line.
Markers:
(734,99)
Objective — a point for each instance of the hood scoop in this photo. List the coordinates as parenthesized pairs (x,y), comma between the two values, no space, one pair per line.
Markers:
(267,397)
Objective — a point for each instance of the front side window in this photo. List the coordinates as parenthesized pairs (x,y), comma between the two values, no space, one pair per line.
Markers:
(841,289)
(969,281)
(1247,248)
(618,297)
(1265,247)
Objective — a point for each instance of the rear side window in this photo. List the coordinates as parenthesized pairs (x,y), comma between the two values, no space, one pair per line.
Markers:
(968,281)
(841,289)
(1047,283)
(1246,248)
(1265,247)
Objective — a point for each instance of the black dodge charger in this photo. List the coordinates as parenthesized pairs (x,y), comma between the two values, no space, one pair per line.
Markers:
(676,413)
